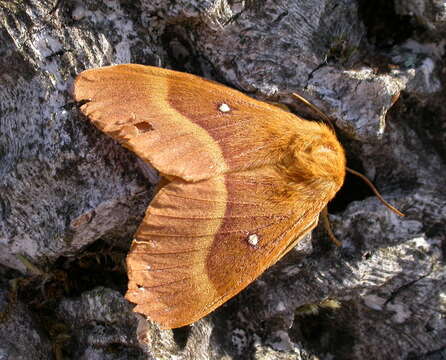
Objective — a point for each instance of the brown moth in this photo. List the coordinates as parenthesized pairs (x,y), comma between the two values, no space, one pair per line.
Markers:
(246,181)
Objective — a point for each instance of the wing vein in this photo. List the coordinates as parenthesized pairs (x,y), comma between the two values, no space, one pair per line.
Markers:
(168,268)
(211,200)
(170,252)
(167,283)
(217,217)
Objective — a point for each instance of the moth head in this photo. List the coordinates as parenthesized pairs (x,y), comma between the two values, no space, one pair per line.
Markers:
(317,156)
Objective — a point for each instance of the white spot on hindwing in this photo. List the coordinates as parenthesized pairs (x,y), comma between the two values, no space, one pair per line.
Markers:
(224,108)
(253,239)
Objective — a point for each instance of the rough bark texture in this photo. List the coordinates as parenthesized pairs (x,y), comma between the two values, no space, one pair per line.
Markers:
(64,185)
(20,335)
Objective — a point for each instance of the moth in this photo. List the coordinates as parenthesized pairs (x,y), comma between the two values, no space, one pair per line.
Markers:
(245,181)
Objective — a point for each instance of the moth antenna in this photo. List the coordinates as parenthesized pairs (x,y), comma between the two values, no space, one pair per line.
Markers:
(327,227)
(354,172)
(375,191)
(316,109)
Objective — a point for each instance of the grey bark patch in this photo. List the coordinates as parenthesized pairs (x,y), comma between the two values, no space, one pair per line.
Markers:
(99,319)
(20,334)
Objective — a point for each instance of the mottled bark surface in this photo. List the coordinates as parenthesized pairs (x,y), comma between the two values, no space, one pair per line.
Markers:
(378,70)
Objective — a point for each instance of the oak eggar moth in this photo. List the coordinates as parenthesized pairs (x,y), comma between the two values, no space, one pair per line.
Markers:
(246,181)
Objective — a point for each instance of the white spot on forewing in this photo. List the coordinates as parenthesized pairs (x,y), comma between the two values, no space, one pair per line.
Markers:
(253,239)
(148,267)
(224,108)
